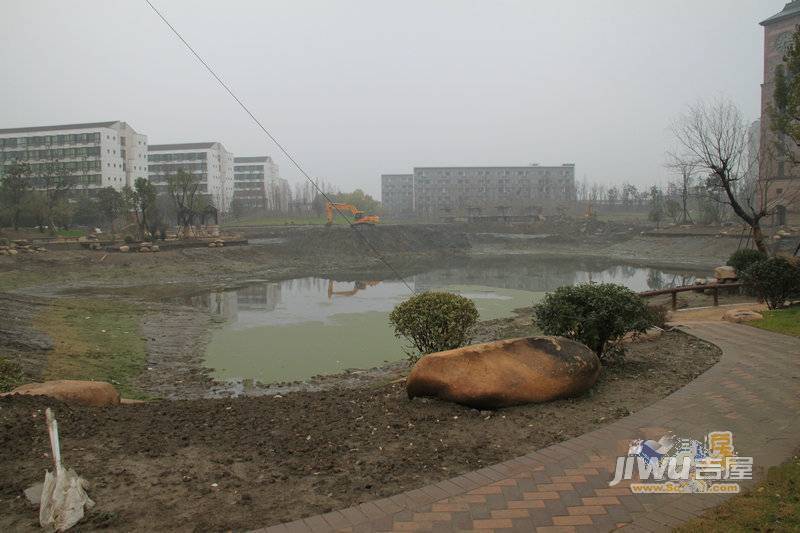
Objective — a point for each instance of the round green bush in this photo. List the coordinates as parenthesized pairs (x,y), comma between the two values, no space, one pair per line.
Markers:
(741,259)
(774,280)
(595,314)
(129,239)
(434,322)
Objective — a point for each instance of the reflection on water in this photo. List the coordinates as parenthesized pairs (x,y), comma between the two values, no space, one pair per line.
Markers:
(294,329)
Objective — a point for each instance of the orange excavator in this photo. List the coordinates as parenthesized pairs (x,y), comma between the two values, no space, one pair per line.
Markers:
(358,215)
(357,286)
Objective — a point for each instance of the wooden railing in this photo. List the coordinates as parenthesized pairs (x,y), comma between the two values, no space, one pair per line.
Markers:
(715,287)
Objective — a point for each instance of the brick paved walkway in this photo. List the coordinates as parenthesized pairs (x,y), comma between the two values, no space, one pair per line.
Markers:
(754,391)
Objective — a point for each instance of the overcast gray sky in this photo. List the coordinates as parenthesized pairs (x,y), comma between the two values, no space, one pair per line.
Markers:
(357,88)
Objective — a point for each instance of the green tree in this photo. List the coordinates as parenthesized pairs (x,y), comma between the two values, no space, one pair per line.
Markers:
(141,199)
(774,280)
(656,213)
(14,187)
(53,179)
(111,205)
(360,199)
(87,210)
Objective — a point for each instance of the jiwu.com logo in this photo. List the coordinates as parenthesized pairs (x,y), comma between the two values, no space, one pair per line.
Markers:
(673,464)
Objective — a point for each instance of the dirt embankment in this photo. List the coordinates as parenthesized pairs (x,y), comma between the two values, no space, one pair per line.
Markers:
(23,349)
(236,464)
(361,240)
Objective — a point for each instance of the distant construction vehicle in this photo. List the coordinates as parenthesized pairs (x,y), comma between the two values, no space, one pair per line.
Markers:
(360,218)
(357,286)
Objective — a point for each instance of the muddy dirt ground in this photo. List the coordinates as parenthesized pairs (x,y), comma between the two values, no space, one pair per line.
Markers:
(235,464)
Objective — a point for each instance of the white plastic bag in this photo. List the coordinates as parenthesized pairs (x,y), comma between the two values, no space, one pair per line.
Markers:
(63,493)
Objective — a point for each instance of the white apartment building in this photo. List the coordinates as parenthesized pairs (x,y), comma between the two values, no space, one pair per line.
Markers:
(209,161)
(432,191)
(94,155)
(258,185)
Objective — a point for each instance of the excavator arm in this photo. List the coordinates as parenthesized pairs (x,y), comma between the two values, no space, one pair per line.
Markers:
(358,216)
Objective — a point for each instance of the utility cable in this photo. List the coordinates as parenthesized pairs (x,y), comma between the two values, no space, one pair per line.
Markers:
(322,193)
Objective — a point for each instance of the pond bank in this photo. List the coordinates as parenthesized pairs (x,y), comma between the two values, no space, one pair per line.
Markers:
(259,461)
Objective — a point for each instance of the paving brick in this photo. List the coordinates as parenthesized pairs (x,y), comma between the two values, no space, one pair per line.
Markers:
(601,500)
(540,495)
(354,515)
(572,520)
(412,526)
(432,517)
(336,520)
(435,492)
(587,510)
(613,492)
(510,513)
(554,487)
(449,507)
(493,523)
(488,489)
(526,504)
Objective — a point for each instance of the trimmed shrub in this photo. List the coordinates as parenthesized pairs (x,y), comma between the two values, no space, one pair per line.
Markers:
(434,322)
(741,259)
(595,314)
(774,280)
(129,239)
(658,315)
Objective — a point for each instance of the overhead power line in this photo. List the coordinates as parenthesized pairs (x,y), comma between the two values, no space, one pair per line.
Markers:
(258,123)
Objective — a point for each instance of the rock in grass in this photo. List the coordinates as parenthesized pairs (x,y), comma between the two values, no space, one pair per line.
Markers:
(508,372)
(93,393)
(737,316)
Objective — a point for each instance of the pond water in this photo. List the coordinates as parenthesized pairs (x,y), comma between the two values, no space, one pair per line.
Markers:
(295,329)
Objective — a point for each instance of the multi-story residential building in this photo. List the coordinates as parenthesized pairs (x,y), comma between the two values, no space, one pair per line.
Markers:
(780,176)
(209,161)
(258,185)
(434,191)
(92,155)
(397,194)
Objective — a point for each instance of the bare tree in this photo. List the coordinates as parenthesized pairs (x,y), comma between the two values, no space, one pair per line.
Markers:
(715,139)
(686,169)
(184,189)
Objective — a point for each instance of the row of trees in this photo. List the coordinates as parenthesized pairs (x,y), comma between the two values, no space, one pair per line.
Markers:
(51,202)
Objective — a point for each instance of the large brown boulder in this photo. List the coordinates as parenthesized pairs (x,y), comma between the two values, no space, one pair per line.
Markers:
(93,393)
(508,372)
(725,273)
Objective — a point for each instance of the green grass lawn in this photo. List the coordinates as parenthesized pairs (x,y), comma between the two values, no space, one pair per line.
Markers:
(773,505)
(786,321)
(95,340)
(10,375)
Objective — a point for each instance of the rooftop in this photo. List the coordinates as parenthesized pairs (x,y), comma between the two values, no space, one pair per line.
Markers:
(84,126)
(498,167)
(180,146)
(789,10)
